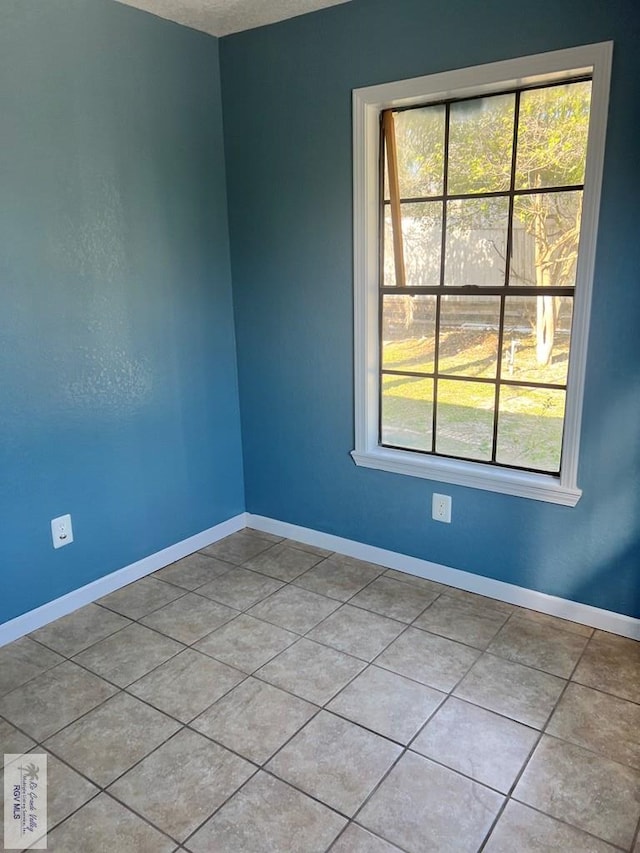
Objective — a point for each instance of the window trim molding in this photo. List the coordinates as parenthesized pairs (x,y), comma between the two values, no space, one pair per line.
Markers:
(493,77)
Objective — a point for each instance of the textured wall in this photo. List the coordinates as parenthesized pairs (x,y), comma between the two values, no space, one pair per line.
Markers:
(118,391)
(287,115)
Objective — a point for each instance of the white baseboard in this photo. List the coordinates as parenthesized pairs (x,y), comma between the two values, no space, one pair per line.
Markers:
(28,622)
(606,620)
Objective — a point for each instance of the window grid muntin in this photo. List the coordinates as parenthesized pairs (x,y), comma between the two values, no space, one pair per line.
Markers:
(470,290)
(507,273)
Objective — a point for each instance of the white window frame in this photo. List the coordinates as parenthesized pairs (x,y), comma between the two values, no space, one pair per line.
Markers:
(368,103)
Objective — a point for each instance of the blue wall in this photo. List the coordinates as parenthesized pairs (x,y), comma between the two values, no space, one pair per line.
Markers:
(287,115)
(118,390)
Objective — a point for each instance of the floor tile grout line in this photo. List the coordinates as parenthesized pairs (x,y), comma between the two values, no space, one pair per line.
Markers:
(533,749)
(125,688)
(457,771)
(100,789)
(219,808)
(412,624)
(521,611)
(148,672)
(319,559)
(328,645)
(150,576)
(541,731)
(263,766)
(105,789)
(256,769)
(430,630)
(195,717)
(333,597)
(564,822)
(377,787)
(191,644)
(445,637)
(485,650)
(311,796)
(375,834)
(337,837)
(118,688)
(243,609)
(337,611)
(41,672)
(260,765)
(528,666)
(141,816)
(42,741)
(42,645)
(406,749)
(200,553)
(93,796)
(297,695)
(516,610)
(370,610)
(225,663)
(364,609)
(367,665)
(91,645)
(384,573)
(58,755)
(133,622)
(376,662)
(604,692)
(278,779)
(324,707)
(472,702)
(448,694)
(367,662)
(591,751)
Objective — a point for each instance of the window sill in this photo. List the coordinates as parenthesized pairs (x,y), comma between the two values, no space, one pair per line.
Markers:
(538,487)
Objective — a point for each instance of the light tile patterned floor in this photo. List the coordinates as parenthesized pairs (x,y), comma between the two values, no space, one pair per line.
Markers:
(264,696)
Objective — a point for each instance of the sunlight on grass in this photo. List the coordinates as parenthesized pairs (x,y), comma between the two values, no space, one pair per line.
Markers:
(530,419)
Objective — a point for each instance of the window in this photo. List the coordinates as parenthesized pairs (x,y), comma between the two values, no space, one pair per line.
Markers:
(476,195)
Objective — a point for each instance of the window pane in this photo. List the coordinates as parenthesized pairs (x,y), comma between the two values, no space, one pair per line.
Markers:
(552,136)
(537,335)
(408,332)
(464,425)
(530,427)
(420,150)
(422,238)
(481,144)
(476,243)
(546,233)
(407,412)
(469,335)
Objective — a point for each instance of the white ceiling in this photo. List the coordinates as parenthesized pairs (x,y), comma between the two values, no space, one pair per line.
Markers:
(221,17)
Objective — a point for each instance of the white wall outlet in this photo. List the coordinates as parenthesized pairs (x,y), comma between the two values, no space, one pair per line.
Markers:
(441,508)
(61,531)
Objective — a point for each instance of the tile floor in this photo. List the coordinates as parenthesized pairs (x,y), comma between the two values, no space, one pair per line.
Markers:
(264,695)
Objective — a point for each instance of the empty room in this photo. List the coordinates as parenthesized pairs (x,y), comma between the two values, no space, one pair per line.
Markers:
(320,426)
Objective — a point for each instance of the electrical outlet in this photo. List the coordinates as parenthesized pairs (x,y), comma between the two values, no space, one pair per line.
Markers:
(441,508)
(61,531)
